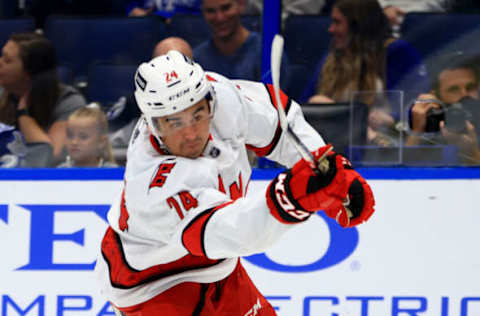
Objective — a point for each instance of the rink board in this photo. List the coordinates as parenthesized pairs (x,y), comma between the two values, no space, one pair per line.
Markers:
(418,255)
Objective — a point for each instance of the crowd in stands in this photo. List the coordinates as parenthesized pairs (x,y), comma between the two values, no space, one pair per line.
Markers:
(33,99)
(47,120)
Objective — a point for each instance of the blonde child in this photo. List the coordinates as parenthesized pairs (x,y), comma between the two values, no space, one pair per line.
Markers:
(87,139)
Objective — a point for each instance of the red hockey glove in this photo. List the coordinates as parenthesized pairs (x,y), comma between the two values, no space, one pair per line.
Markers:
(360,200)
(293,195)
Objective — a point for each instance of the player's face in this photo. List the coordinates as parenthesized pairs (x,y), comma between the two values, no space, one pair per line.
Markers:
(84,142)
(185,134)
(454,84)
(12,74)
(339,29)
(223,16)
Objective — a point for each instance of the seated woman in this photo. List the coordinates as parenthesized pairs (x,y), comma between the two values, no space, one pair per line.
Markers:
(87,139)
(33,98)
(364,56)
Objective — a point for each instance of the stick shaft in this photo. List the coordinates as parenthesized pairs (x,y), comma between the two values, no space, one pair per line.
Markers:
(276,59)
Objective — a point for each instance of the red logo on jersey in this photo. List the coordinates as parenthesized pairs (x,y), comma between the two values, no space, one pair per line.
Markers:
(160,176)
(236,190)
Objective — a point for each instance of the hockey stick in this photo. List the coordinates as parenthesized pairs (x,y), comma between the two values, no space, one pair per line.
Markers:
(276,59)
(320,166)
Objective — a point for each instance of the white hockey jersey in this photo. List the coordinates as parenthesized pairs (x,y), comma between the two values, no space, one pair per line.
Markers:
(188,220)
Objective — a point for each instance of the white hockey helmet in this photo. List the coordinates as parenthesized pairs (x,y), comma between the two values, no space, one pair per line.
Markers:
(169,84)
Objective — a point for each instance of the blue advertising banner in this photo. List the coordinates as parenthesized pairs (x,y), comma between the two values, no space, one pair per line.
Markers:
(416,256)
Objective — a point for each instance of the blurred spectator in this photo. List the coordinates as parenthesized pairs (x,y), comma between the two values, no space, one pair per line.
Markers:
(87,139)
(164,8)
(34,101)
(364,57)
(232,50)
(173,43)
(450,113)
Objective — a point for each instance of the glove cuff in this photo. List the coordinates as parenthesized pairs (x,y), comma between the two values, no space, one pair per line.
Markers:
(281,203)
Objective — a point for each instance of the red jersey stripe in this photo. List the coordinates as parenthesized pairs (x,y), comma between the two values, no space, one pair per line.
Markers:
(193,236)
(123,276)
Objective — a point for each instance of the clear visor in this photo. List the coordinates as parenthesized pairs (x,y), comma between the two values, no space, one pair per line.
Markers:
(175,123)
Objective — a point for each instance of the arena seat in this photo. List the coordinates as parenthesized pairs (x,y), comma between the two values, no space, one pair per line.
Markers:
(434,34)
(81,41)
(306,41)
(342,124)
(15,25)
(306,38)
(108,81)
(299,76)
(112,85)
(65,74)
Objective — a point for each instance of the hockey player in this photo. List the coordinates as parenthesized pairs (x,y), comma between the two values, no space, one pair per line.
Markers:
(182,220)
